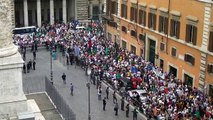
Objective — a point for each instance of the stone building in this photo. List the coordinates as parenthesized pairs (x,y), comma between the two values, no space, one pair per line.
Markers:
(176,35)
(36,12)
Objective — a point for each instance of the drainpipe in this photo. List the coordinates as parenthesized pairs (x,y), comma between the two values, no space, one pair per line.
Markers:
(167,36)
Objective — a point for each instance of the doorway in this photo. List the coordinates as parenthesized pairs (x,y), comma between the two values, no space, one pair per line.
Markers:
(173,70)
(211,90)
(161,63)
(95,11)
(152,46)
(133,49)
(188,80)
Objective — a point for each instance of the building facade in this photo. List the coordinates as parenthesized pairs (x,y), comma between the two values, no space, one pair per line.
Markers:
(36,12)
(176,35)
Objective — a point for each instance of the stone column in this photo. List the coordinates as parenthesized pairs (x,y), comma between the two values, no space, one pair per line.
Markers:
(12,100)
(64,7)
(52,12)
(72,10)
(38,12)
(100,10)
(13,14)
(90,10)
(26,22)
(76,13)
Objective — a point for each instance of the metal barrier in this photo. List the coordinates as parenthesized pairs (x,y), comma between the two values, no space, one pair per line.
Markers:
(59,102)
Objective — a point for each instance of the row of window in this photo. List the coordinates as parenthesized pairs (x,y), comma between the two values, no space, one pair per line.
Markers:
(187,57)
(163,21)
(140,16)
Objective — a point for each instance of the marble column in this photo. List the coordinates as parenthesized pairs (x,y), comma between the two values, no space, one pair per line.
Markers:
(76,14)
(26,22)
(90,10)
(13,100)
(52,12)
(100,10)
(38,12)
(72,10)
(64,7)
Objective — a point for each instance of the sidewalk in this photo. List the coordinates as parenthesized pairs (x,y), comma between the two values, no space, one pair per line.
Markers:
(47,109)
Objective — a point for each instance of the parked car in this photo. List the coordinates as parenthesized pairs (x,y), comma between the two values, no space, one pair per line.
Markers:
(138,94)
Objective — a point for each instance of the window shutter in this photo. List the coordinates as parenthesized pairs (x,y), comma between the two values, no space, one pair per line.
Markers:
(171,27)
(210,47)
(160,24)
(122,10)
(173,52)
(144,19)
(136,15)
(187,33)
(112,7)
(166,26)
(209,68)
(185,57)
(192,60)
(161,46)
(116,8)
(194,35)
(132,14)
(178,30)
(149,20)
(140,17)
(154,24)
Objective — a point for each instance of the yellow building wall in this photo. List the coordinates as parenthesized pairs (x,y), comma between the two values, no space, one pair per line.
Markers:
(186,8)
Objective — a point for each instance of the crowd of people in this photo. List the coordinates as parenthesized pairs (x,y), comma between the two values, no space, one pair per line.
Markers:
(167,97)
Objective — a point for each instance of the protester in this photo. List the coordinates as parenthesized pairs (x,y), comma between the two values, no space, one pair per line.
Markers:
(167,97)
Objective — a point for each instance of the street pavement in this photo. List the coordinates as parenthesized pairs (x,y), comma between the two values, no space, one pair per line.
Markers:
(46,107)
(34,82)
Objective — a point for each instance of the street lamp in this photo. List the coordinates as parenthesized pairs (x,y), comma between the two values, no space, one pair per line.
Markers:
(88,86)
(51,62)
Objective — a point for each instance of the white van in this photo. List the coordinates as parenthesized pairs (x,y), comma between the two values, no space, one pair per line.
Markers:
(80,28)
